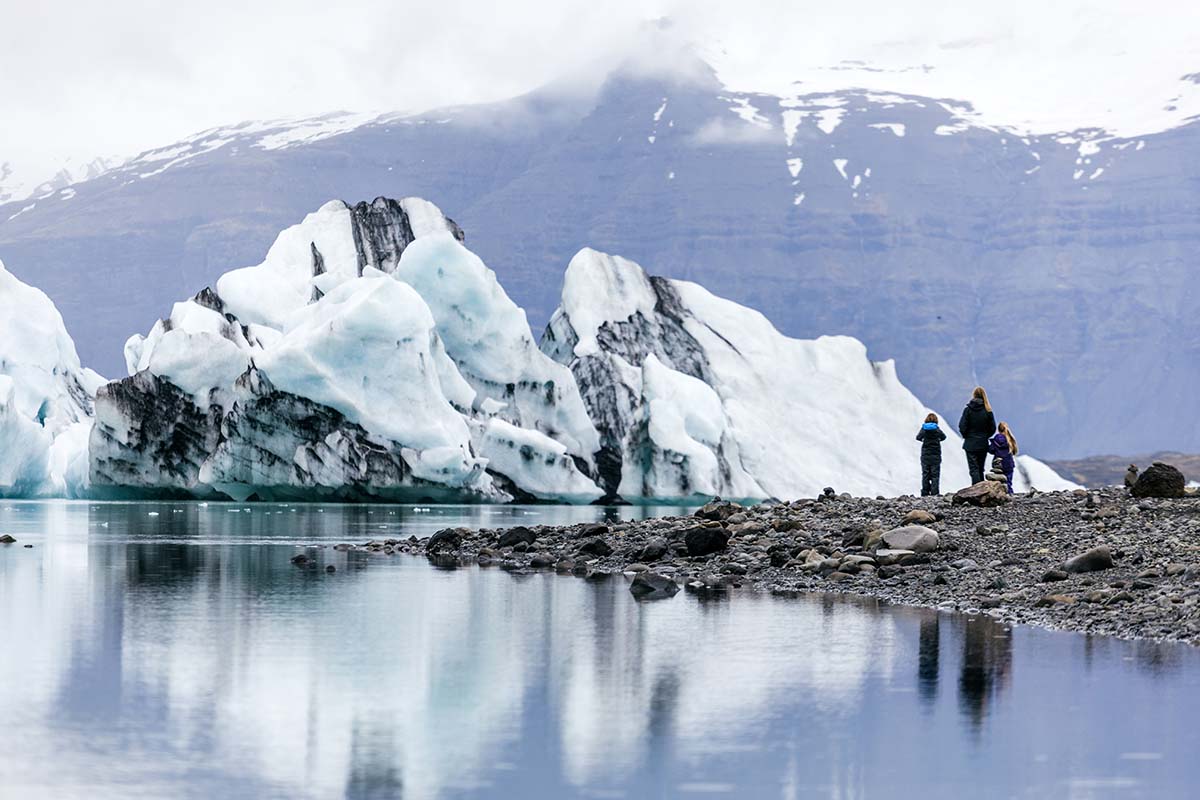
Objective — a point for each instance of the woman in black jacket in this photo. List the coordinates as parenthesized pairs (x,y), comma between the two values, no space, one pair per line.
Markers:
(977,424)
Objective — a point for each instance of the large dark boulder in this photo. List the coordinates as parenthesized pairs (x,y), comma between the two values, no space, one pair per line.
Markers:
(984,494)
(655,548)
(1097,558)
(706,540)
(1159,480)
(596,547)
(516,535)
(445,541)
(652,586)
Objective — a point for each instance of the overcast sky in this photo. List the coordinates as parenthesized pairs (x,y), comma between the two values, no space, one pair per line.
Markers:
(126,75)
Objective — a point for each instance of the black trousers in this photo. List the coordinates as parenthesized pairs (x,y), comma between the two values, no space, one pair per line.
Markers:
(931,477)
(975,461)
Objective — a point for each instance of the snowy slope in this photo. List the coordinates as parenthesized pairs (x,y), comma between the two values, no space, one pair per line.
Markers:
(694,394)
(46,397)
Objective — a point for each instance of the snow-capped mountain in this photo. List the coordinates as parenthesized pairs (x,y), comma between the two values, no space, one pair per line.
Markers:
(1055,269)
(372,355)
(46,397)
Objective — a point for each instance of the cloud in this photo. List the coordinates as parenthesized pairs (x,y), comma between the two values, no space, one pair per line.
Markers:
(734,130)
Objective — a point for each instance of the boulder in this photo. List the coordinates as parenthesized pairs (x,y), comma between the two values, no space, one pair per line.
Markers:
(1052,575)
(984,494)
(447,540)
(1159,480)
(718,510)
(1090,561)
(7,539)
(596,547)
(541,560)
(654,549)
(652,586)
(888,557)
(705,541)
(919,516)
(512,536)
(916,538)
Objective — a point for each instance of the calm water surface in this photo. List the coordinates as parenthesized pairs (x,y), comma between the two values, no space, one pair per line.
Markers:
(172,651)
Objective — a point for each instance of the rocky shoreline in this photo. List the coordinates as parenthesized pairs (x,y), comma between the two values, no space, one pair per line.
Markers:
(1101,562)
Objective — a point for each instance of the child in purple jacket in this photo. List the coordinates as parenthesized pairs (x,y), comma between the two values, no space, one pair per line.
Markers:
(1003,447)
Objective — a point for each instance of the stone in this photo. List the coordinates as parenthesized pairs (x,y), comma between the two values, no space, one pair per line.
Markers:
(299,560)
(889,556)
(1054,600)
(654,549)
(517,535)
(985,494)
(447,540)
(653,586)
(596,547)
(718,510)
(919,516)
(889,571)
(541,560)
(330,568)
(1052,575)
(705,541)
(965,565)
(591,529)
(1097,558)
(1160,480)
(7,539)
(916,538)
(636,567)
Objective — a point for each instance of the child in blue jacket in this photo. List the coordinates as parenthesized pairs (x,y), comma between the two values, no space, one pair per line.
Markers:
(931,437)
(1003,447)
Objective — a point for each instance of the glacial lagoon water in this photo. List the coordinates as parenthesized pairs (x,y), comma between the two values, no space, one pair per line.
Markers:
(171,650)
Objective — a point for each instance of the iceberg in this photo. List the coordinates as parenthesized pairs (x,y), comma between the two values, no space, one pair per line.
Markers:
(694,395)
(46,397)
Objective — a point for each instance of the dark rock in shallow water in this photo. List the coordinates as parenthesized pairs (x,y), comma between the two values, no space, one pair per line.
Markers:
(984,494)
(7,539)
(300,560)
(447,540)
(1097,558)
(652,586)
(541,560)
(331,569)
(1159,480)
(705,541)
(518,534)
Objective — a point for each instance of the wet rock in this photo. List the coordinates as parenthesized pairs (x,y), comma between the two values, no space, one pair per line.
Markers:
(653,586)
(518,535)
(986,494)
(1097,558)
(299,559)
(330,569)
(1159,480)
(916,538)
(705,541)
(7,539)
(445,541)
(541,560)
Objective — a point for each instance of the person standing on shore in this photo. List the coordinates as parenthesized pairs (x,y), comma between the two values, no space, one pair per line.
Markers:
(1003,446)
(977,424)
(931,437)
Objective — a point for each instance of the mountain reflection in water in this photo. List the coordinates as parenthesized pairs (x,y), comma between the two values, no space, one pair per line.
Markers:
(182,655)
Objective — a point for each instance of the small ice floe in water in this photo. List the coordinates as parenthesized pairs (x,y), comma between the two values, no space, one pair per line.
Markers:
(204,505)
(151,513)
(420,510)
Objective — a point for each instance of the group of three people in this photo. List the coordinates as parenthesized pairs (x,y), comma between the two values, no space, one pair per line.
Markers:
(981,436)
